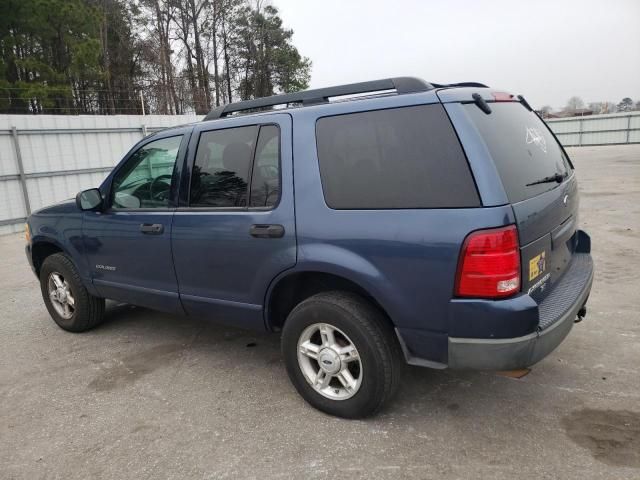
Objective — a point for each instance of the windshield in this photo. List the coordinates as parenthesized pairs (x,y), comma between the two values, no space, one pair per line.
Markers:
(523,149)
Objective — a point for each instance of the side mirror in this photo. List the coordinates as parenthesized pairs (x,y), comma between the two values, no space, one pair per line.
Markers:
(89,199)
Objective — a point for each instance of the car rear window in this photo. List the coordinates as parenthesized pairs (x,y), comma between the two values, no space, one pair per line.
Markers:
(523,149)
(398,158)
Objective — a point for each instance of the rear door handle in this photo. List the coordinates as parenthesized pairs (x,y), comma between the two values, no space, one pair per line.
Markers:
(152,228)
(266,231)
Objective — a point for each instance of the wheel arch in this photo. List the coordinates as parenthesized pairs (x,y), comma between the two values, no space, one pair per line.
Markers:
(294,286)
(43,248)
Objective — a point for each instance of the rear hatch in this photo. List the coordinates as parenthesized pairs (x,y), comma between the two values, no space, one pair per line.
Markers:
(540,184)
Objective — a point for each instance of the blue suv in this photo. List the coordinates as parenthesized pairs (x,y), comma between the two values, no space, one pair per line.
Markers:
(373,224)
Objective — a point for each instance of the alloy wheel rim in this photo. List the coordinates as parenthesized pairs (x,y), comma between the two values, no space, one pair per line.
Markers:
(329,361)
(61,296)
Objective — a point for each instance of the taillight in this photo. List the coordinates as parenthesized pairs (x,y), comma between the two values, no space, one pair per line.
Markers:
(489,264)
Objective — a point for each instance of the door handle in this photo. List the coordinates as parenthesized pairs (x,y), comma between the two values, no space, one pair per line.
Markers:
(266,231)
(152,228)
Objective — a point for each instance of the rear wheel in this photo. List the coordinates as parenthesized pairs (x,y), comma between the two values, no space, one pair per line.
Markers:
(341,354)
(69,303)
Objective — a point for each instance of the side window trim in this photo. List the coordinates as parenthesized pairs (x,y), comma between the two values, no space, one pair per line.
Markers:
(277,202)
(191,159)
(252,164)
(175,174)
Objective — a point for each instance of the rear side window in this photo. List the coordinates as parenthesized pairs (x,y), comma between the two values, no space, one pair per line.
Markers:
(226,160)
(523,149)
(221,171)
(398,158)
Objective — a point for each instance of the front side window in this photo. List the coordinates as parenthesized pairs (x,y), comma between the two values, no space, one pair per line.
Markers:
(144,181)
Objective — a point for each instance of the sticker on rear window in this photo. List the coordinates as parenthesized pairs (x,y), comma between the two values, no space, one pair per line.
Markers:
(536,266)
(534,136)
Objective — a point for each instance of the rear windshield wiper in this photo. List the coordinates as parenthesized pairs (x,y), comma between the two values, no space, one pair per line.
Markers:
(553,178)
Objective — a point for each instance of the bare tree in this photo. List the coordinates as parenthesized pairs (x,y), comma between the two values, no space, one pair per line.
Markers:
(573,104)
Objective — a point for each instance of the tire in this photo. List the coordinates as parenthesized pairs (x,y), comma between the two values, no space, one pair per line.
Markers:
(58,272)
(376,375)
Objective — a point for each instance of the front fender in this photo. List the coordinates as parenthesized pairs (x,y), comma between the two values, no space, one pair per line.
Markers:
(64,231)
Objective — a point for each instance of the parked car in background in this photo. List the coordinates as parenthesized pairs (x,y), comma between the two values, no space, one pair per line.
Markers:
(435,225)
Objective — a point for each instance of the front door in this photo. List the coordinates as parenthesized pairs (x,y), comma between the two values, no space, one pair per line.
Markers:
(235,230)
(128,244)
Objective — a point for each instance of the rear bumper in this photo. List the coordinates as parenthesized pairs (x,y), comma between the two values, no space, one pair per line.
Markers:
(556,318)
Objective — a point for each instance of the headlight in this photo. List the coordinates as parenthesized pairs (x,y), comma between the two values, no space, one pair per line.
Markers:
(27,233)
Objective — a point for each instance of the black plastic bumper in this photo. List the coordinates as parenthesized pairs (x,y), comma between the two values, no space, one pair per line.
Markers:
(557,314)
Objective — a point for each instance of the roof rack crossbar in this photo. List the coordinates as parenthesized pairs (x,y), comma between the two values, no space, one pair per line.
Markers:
(401,85)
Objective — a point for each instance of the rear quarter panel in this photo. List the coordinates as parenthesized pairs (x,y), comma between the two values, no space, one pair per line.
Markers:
(406,259)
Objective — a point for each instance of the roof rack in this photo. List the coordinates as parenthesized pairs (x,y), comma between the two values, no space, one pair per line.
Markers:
(461,84)
(312,97)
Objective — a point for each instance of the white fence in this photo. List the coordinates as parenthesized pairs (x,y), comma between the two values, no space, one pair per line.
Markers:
(48,158)
(612,129)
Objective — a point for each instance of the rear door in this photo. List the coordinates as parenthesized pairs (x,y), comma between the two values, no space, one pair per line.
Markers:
(540,184)
(235,230)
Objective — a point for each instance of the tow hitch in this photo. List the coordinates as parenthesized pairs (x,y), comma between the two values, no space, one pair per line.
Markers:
(581,314)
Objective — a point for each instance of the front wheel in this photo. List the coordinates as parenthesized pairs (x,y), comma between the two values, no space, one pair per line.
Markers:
(69,303)
(341,354)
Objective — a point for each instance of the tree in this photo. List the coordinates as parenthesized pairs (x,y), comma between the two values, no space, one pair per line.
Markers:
(119,56)
(625,105)
(101,56)
(191,19)
(573,104)
(267,61)
(50,53)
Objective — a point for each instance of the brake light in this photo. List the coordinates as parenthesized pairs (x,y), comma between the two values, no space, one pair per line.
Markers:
(489,264)
(502,96)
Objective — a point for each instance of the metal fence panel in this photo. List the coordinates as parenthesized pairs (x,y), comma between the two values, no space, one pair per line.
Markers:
(7,157)
(616,128)
(562,126)
(61,155)
(11,202)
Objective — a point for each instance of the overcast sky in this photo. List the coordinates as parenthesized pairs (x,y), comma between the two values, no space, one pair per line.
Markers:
(546,50)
